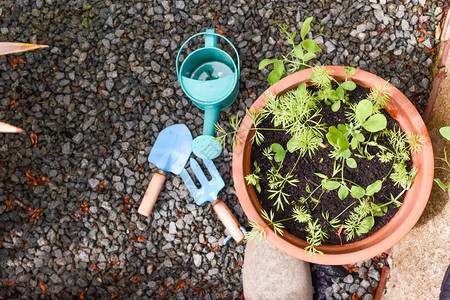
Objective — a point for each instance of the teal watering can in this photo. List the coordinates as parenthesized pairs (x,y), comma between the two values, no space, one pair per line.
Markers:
(210,78)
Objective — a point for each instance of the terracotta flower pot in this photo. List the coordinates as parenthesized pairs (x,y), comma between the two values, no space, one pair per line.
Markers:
(401,109)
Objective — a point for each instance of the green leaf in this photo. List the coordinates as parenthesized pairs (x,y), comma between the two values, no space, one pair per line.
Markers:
(346,153)
(273,77)
(339,92)
(291,146)
(348,85)
(280,153)
(331,185)
(445,132)
(376,210)
(306,27)
(441,184)
(298,52)
(342,192)
(333,135)
(374,188)
(343,144)
(336,105)
(354,143)
(365,225)
(357,192)
(351,163)
(308,56)
(342,128)
(349,70)
(277,73)
(360,137)
(265,62)
(363,110)
(323,176)
(310,45)
(375,123)
(278,67)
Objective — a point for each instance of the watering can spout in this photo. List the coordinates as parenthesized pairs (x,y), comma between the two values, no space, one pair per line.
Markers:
(209,123)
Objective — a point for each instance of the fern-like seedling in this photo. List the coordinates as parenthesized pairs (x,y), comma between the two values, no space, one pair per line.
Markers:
(416,142)
(301,215)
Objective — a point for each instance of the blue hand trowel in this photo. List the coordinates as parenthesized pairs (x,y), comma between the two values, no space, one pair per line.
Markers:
(170,153)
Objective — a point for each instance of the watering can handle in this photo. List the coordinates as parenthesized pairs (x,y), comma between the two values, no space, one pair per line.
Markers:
(208,33)
(228,220)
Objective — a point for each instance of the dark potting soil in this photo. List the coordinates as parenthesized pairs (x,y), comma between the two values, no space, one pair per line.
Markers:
(367,172)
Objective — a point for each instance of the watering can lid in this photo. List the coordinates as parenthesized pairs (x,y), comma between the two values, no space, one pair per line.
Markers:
(208,91)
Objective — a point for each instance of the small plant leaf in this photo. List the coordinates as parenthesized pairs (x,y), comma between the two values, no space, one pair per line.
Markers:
(277,72)
(360,137)
(340,93)
(376,210)
(354,143)
(308,56)
(363,110)
(348,85)
(273,77)
(298,52)
(265,62)
(346,153)
(375,123)
(310,45)
(445,132)
(323,176)
(365,225)
(441,184)
(333,135)
(351,163)
(306,27)
(357,192)
(342,128)
(374,188)
(291,145)
(336,105)
(280,153)
(342,192)
(331,185)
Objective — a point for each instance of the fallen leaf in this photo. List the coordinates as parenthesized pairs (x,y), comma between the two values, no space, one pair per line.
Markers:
(9,204)
(33,138)
(421,39)
(41,285)
(135,280)
(100,89)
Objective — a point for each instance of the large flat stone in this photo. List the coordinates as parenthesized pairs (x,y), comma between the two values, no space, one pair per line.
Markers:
(269,273)
(420,260)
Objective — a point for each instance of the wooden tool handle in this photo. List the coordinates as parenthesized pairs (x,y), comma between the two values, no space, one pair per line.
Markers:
(228,220)
(152,193)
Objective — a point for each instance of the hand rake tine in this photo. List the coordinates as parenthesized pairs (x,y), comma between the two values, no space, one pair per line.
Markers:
(215,175)
(189,183)
(197,170)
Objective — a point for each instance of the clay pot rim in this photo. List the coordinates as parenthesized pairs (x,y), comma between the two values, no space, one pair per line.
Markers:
(416,198)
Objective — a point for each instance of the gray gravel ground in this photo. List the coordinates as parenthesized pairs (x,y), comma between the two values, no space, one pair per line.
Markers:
(96,100)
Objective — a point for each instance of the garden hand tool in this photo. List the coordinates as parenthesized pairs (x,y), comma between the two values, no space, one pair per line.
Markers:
(210,78)
(208,192)
(170,153)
